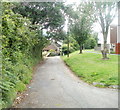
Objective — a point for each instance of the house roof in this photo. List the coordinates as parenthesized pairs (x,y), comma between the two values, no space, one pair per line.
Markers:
(58,45)
(51,46)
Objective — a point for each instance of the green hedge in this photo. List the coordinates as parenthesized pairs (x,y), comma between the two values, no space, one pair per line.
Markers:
(21,49)
(72,48)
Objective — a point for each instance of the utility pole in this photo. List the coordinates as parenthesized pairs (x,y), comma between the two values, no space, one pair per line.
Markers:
(41,51)
(68,49)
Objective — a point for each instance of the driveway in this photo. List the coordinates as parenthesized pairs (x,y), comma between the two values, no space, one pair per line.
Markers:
(55,86)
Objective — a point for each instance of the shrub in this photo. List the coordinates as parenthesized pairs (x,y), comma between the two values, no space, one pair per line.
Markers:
(65,49)
(21,49)
(90,43)
(112,52)
(20,86)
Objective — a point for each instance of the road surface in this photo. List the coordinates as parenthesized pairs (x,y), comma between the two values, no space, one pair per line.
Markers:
(55,86)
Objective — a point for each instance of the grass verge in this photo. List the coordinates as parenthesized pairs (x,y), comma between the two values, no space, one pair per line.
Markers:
(92,69)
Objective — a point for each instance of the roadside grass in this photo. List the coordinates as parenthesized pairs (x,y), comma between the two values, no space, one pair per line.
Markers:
(92,69)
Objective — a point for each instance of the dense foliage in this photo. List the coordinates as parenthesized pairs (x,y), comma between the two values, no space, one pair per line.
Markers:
(81,24)
(21,49)
(73,45)
(91,42)
(23,40)
(48,15)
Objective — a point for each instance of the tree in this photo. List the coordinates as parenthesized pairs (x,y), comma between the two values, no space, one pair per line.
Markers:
(90,43)
(48,15)
(81,26)
(69,45)
(44,16)
(80,34)
(58,35)
(105,12)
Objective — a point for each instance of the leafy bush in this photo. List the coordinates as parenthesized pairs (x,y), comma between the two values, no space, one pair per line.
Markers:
(21,49)
(112,52)
(90,43)
(65,49)
(20,86)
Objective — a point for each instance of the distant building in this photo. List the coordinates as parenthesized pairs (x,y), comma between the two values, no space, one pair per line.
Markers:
(113,37)
(113,41)
(53,46)
(99,46)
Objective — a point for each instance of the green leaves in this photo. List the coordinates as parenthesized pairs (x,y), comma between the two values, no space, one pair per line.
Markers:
(19,40)
(47,15)
(44,15)
(82,20)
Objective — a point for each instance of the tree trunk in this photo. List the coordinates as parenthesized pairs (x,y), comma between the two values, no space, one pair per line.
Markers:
(68,49)
(105,49)
(41,54)
(81,49)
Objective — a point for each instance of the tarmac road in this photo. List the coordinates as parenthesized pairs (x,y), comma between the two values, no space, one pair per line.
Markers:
(55,86)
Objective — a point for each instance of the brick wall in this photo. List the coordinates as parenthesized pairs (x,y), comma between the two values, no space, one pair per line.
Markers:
(117,50)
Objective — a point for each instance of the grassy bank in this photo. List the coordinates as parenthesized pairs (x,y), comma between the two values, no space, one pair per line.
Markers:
(92,69)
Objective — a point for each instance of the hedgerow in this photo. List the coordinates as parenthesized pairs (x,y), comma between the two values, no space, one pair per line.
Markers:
(21,49)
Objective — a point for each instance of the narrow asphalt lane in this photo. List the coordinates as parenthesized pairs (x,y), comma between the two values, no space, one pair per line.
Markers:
(55,86)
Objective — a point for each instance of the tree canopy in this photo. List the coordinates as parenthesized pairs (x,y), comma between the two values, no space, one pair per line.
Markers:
(82,22)
(48,15)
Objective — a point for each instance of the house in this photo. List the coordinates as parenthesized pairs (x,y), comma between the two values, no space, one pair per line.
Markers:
(99,46)
(113,37)
(54,47)
(113,41)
